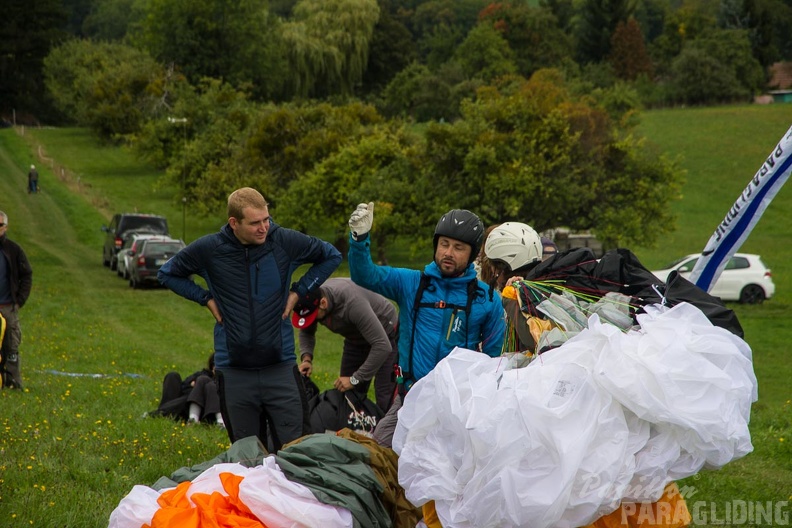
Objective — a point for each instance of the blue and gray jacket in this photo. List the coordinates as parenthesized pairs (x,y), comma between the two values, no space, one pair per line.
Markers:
(250,285)
(437,329)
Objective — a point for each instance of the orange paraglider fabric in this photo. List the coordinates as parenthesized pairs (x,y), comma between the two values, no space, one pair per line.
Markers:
(669,512)
(214,510)
(431,520)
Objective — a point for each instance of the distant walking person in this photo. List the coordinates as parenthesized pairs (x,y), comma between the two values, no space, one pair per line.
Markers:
(16,279)
(33,180)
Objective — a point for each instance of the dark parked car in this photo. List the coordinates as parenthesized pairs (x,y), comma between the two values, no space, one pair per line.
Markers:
(145,262)
(124,225)
(131,244)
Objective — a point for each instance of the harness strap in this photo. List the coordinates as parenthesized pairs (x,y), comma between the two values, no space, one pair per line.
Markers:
(442,305)
(405,375)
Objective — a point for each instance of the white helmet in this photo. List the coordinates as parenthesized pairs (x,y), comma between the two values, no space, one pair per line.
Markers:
(514,243)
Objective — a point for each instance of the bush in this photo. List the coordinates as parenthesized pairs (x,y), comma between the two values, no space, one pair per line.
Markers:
(715,68)
(699,78)
(109,88)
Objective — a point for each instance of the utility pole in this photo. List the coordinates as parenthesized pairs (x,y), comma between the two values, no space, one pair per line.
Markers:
(183,121)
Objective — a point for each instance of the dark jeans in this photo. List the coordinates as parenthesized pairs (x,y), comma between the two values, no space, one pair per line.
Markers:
(253,399)
(9,365)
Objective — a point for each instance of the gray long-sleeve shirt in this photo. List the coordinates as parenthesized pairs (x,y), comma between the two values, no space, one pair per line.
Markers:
(363,317)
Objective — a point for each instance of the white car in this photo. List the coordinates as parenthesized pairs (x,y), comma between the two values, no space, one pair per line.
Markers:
(745,278)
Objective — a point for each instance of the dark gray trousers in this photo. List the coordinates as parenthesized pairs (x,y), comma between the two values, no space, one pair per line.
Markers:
(267,402)
(11,376)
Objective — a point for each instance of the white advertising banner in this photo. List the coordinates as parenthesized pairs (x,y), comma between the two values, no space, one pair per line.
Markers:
(743,215)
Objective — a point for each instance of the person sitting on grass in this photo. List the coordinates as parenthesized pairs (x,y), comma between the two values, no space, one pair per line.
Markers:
(192,399)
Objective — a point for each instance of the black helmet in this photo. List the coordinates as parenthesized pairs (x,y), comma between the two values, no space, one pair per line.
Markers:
(461,225)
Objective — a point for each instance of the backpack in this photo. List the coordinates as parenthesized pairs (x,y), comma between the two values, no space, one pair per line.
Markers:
(311,388)
(333,410)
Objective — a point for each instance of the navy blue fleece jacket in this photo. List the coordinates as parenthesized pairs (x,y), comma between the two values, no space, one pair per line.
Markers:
(250,285)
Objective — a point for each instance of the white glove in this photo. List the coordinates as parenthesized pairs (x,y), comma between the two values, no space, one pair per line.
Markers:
(361,219)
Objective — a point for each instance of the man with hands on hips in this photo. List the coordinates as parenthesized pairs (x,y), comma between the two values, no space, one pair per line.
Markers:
(248,267)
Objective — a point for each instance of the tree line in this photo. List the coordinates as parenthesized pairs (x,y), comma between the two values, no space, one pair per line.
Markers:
(666,51)
(516,110)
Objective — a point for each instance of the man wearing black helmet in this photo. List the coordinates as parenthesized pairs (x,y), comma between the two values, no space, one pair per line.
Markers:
(440,308)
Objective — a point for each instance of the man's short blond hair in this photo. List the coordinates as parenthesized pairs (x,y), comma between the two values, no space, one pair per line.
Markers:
(244,197)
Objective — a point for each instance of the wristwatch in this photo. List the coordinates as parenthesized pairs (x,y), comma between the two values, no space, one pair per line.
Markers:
(353,380)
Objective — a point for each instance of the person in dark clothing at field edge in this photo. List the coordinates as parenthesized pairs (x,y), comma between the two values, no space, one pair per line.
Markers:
(16,280)
(248,267)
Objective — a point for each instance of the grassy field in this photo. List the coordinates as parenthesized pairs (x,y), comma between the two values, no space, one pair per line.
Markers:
(95,351)
(721,149)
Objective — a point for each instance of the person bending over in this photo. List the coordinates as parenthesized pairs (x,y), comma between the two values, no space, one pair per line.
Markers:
(370,326)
